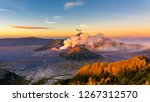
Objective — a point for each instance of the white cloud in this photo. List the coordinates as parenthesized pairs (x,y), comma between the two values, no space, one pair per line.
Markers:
(72,4)
(84,26)
(6,10)
(49,22)
(57,17)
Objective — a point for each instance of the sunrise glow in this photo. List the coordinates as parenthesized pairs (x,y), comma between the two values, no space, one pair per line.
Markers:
(116,18)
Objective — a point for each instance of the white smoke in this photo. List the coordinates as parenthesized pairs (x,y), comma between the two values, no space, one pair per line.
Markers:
(86,40)
(98,43)
(76,40)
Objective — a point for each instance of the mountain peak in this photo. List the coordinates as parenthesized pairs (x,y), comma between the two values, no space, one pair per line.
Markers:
(80,53)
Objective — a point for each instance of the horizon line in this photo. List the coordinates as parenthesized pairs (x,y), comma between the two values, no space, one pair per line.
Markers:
(69,36)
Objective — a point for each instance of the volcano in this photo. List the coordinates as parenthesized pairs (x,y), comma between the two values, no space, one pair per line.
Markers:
(80,53)
(57,43)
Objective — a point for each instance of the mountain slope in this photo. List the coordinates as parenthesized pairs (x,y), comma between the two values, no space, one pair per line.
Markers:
(9,78)
(56,43)
(80,53)
(135,70)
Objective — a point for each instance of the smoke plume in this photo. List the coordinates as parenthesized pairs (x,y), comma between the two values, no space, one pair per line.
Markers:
(99,43)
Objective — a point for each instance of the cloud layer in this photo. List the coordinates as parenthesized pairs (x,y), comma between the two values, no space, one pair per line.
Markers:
(72,4)
(28,27)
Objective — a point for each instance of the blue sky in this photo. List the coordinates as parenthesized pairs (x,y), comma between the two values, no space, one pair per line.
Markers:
(64,16)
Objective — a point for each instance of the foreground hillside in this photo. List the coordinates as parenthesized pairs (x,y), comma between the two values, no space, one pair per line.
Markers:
(132,71)
(9,78)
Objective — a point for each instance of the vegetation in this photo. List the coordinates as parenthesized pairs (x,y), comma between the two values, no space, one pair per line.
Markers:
(40,82)
(9,78)
(127,72)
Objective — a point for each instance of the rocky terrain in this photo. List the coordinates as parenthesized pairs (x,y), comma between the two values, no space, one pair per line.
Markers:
(80,53)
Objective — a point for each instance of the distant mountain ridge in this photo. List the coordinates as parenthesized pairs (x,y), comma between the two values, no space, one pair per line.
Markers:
(55,43)
(26,41)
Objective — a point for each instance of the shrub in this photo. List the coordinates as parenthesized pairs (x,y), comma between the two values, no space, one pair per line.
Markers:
(135,70)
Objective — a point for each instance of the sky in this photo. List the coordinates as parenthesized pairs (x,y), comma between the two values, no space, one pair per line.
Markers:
(61,18)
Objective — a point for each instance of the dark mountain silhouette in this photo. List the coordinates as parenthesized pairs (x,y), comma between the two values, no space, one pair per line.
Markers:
(80,53)
(56,43)
(23,41)
(9,78)
(135,70)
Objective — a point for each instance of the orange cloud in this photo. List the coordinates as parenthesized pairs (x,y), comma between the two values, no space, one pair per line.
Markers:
(29,27)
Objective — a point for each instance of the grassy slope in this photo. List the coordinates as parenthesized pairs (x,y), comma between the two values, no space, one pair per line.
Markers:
(132,71)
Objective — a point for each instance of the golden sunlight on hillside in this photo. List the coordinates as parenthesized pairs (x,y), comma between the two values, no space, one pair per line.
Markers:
(132,71)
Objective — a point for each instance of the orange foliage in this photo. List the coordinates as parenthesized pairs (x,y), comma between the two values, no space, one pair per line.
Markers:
(110,72)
